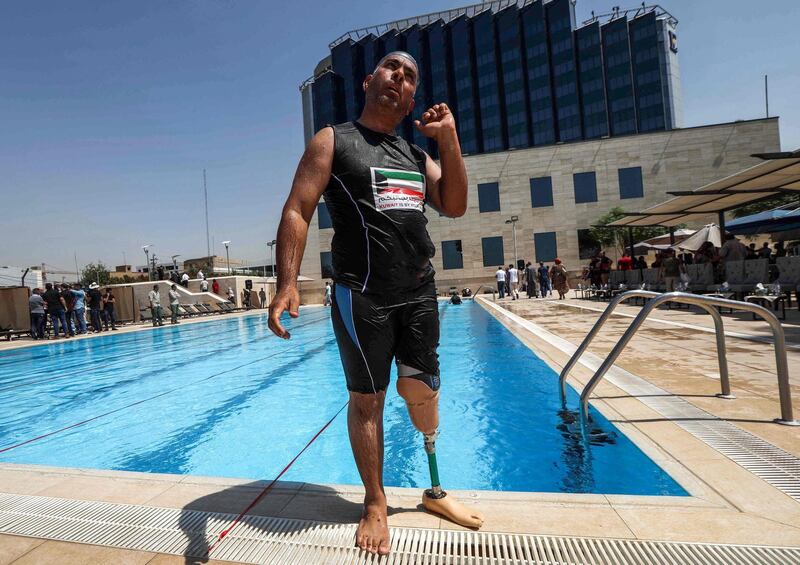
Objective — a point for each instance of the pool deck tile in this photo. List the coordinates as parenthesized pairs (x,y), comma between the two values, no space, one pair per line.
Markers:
(124,491)
(14,547)
(64,553)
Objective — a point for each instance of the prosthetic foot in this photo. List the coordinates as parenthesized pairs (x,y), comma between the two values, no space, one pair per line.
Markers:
(422,403)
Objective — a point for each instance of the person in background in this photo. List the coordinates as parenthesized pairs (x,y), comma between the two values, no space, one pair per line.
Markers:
(751,252)
(765,252)
(200,275)
(671,269)
(326,301)
(530,280)
(604,264)
(79,308)
(500,276)
(262,297)
(203,285)
(780,250)
(155,305)
(705,254)
(36,305)
(687,258)
(246,299)
(214,286)
(109,305)
(558,274)
(513,282)
(174,303)
(732,249)
(160,272)
(56,308)
(69,313)
(657,263)
(625,263)
(544,280)
(231,296)
(185,280)
(640,263)
(95,307)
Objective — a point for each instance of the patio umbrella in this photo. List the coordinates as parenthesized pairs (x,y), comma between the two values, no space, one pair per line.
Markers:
(770,221)
(710,232)
(660,241)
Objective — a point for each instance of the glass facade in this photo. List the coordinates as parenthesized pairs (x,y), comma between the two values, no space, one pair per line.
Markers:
(560,23)
(465,92)
(509,38)
(541,192)
(489,197)
(585,187)
(492,121)
(323,217)
(325,258)
(630,182)
(647,81)
(515,76)
(590,79)
(619,77)
(452,256)
(545,247)
(493,255)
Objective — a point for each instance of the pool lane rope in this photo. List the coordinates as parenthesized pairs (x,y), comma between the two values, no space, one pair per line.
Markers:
(159,395)
(264,492)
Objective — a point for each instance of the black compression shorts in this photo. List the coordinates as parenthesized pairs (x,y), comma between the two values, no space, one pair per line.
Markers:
(372,330)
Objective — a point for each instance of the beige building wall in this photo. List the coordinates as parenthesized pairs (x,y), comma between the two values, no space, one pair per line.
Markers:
(682,159)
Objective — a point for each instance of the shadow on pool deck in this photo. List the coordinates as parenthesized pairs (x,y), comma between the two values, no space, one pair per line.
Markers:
(337,508)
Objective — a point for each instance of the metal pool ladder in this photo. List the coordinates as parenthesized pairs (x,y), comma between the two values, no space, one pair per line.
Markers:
(707,303)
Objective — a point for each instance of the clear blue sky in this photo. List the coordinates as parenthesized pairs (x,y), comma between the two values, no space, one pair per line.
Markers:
(109,111)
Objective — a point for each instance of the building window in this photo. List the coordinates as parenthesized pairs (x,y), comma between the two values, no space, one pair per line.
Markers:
(545,244)
(588,246)
(326,265)
(541,192)
(630,182)
(493,251)
(489,197)
(452,256)
(585,187)
(323,218)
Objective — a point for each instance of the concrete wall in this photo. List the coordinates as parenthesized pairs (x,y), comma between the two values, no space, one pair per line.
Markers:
(681,159)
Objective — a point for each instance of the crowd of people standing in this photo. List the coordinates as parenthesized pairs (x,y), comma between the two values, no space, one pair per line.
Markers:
(534,281)
(67,307)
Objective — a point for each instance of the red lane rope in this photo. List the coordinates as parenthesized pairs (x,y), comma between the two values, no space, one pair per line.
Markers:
(264,492)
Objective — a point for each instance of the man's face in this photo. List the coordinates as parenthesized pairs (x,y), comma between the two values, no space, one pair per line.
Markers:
(393,84)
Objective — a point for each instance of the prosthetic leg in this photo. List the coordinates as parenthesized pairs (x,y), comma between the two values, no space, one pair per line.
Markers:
(423,408)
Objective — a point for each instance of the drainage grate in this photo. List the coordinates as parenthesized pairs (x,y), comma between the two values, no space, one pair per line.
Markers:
(772,464)
(281,541)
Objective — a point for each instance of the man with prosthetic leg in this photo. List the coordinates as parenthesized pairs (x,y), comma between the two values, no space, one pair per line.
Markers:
(384,310)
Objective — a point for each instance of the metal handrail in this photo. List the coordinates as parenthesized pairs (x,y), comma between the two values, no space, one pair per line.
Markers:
(707,303)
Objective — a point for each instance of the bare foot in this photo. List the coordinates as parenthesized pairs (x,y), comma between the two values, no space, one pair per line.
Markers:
(373,530)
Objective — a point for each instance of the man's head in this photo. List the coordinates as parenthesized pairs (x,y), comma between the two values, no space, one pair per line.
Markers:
(174,287)
(155,287)
(511,266)
(391,86)
(48,286)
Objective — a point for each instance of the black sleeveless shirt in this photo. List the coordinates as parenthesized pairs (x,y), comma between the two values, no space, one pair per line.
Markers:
(376,199)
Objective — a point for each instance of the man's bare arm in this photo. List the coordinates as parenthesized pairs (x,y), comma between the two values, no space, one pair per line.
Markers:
(310,180)
(447,186)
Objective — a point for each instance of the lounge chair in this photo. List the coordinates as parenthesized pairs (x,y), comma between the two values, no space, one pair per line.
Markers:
(651,278)
(633,278)
(755,271)
(734,275)
(701,277)
(789,276)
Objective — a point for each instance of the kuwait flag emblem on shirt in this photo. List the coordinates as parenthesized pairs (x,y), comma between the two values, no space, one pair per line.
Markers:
(396,189)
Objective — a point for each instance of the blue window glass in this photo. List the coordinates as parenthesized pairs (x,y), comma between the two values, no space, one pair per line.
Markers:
(493,251)
(590,78)
(489,197)
(619,78)
(415,45)
(537,63)
(346,62)
(630,182)
(452,256)
(441,66)
(326,265)
(545,246)
(647,81)
(327,100)
(466,114)
(585,187)
(560,23)
(491,118)
(323,217)
(511,62)
(541,192)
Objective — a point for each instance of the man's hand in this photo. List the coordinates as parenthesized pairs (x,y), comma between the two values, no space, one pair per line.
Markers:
(286,299)
(436,121)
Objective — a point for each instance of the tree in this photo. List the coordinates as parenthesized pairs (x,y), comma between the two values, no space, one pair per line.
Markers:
(764,205)
(617,238)
(95,274)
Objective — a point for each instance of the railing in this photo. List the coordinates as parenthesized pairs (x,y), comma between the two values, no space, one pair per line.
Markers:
(707,303)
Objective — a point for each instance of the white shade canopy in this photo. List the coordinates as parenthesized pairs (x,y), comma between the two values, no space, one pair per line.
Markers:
(710,232)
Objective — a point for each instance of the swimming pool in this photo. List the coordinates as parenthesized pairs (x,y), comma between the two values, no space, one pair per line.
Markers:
(226,398)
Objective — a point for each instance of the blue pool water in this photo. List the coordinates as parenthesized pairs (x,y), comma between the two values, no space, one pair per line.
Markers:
(236,401)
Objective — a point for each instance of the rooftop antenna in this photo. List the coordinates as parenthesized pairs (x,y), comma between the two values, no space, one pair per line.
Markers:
(205,196)
(766,94)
